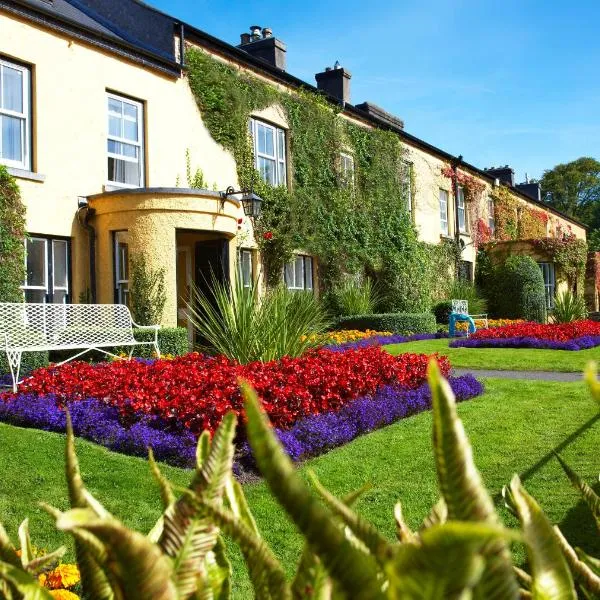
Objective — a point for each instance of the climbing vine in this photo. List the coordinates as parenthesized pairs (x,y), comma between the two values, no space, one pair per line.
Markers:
(12,235)
(570,256)
(358,226)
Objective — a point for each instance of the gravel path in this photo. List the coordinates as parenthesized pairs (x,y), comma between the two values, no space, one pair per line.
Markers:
(536,375)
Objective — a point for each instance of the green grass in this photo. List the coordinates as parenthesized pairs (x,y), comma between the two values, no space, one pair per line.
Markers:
(517,359)
(513,427)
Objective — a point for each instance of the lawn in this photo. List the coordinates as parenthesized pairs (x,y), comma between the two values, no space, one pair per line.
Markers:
(513,427)
(518,359)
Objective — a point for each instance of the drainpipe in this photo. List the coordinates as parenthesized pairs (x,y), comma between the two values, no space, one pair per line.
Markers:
(85,223)
(181,46)
(455,166)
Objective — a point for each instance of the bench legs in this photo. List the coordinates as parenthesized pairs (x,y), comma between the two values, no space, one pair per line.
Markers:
(14,362)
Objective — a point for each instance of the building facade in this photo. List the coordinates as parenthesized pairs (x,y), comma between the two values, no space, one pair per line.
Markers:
(100,127)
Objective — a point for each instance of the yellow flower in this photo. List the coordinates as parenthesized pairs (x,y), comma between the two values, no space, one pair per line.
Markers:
(63,576)
(63,595)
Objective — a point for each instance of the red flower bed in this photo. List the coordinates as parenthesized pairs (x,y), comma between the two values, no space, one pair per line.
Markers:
(196,391)
(560,332)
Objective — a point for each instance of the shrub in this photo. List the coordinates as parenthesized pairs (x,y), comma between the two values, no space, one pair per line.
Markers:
(238,324)
(171,340)
(29,362)
(465,290)
(442,312)
(355,298)
(12,236)
(147,292)
(402,323)
(568,307)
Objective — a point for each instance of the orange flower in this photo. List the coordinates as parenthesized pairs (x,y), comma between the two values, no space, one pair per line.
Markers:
(64,595)
(64,576)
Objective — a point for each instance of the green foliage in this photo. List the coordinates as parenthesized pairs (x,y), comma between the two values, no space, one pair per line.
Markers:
(461,550)
(147,292)
(442,312)
(171,340)
(568,307)
(401,323)
(12,236)
(354,297)
(465,290)
(196,179)
(29,362)
(570,256)
(237,323)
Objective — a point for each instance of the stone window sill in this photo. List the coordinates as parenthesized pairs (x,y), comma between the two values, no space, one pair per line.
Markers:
(23,174)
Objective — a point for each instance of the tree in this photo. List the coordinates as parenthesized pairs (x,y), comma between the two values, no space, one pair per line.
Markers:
(574,188)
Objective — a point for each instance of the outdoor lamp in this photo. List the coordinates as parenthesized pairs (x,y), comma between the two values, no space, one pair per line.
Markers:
(251,202)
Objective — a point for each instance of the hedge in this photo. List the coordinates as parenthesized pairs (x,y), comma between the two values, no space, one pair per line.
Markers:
(442,312)
(29,362)
(401,323)
(171,340)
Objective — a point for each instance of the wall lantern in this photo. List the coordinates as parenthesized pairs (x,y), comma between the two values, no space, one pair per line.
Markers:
(251,202)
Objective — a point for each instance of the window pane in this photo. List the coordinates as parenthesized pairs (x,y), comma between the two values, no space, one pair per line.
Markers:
(36,262)
(59,264)
(289,274)
(299,269)
(281,144)
(115,106)
(262,138)
(121,171)
(11,147)
(59,297)
(246,267)
(114,126)
(12,89)
(35,296)
(308,272)
(130,130)
(130,110)
(267,169)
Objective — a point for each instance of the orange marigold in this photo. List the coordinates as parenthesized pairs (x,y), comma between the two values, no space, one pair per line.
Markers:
(64,595)
(64,576)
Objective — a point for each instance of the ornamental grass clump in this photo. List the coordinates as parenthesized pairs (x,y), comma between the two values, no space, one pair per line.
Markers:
(355,297)
(236,322)
(461,551)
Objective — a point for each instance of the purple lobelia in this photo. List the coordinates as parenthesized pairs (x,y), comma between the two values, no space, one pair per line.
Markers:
(580,343)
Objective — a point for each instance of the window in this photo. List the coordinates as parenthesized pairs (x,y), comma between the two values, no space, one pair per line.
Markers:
(269,151)
(406,184)
(245,267)
(46,270)
(346,170)
(549,283)
(125,147)
(491,216)
(15,123)
(299,273)
(121,267)
(465,271)
(462,214)
(444,211)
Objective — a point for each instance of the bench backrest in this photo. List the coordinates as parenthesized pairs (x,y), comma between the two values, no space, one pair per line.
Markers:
(30,325)
(460,307)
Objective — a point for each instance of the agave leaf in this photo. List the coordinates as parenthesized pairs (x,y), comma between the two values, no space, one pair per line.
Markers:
(139,567)
(404,533)
(437,515)
(8,553)
(356,573)
(37,565)
(381,549)
(27,585)
(94,582)
(219,571)
(587,493)
(550,574)
(582,573)
(266,574)
(238,504)
(590,561)
(25,541)
(590,376)
(166,491)
(202,449)
(523,578)
(462,488)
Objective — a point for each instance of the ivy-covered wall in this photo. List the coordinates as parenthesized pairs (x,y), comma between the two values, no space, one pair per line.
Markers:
(360,227)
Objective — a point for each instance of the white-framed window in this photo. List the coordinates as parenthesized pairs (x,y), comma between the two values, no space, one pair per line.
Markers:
(15,111)
(462,213)
(444,211)
(125,142)
(491,215)
(346,170)
(269,151)
(298,273)
(46,270)
(548,272)
(406,182)
(245,268)
(121,255)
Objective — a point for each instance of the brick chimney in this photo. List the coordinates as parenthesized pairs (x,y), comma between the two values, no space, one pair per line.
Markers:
(531,189)
(505,174)
(260,43)
(335,82)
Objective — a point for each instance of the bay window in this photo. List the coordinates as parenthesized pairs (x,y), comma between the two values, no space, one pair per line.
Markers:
(125,142)
(47,270)
(15,120)
(269,151)
(298,273)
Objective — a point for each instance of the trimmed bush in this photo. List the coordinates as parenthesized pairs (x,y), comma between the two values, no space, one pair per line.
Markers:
(402,323)
(29,362)
(442,312)
(171,340)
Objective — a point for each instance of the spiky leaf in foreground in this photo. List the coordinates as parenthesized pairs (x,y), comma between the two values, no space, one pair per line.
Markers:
(355,572)
(591,378)
(27,585)
(550,574)
(582,573)
(462,489)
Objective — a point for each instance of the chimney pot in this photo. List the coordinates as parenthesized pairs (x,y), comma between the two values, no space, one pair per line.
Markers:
(260,43)
(245,38)
(267,32)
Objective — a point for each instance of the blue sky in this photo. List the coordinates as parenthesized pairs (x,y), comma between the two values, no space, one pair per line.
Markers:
(511,82)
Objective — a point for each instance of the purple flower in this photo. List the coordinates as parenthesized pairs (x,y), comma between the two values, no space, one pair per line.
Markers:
(382,340)
(580,343)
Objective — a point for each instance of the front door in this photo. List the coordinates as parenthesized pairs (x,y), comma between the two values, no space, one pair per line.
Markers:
(211,264)
(184,288)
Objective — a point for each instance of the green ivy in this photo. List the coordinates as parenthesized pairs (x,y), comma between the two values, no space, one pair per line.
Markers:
(352,227)
(12,235)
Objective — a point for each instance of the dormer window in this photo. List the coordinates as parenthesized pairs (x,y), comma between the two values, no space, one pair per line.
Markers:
(269,151)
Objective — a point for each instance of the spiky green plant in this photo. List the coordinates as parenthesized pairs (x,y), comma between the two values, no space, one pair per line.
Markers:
(460,552)
(240,324)
(568,307)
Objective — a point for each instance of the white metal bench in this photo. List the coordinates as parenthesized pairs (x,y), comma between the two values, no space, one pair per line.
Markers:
(461,307)
(29,327)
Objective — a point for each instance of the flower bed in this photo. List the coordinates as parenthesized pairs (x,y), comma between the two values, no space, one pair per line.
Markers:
(100,423)
(480,323)
(563,336)
(195,391)
(382,340)
(331,338)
